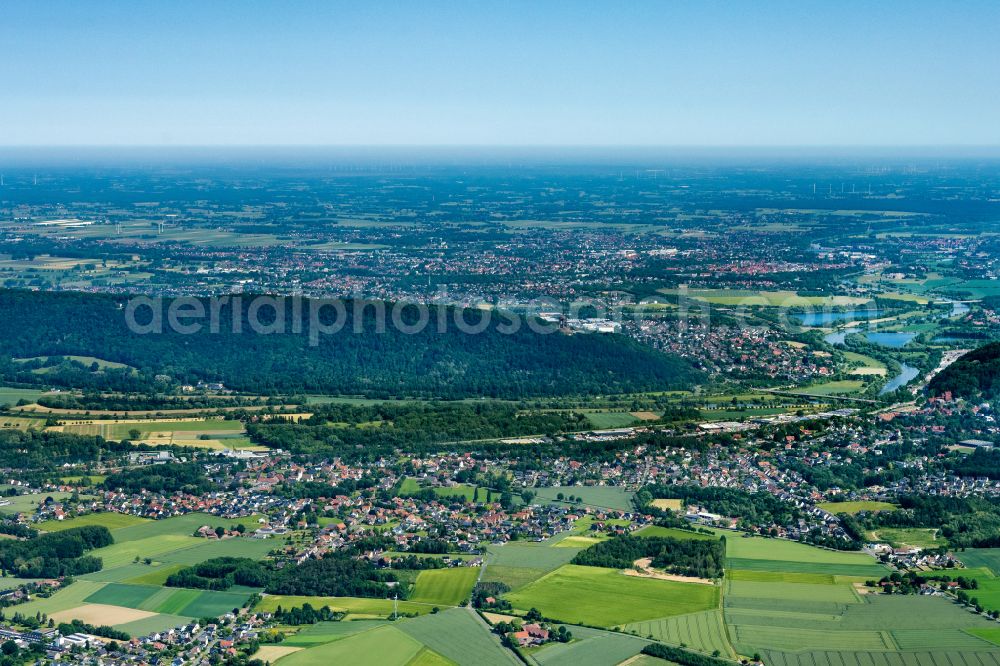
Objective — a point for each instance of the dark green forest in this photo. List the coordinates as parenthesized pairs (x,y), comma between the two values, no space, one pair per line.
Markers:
(975,375)
(359,359)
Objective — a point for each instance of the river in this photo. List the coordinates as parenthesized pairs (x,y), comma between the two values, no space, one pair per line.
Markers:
(906,375)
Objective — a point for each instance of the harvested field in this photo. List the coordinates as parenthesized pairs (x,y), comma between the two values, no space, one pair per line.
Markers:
(101,614)
(272,653)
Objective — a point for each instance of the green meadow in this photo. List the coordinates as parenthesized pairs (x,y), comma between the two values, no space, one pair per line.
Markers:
(28,503)
(183,525)
(310,635)
(11,396)
(411,486)
(352,605)
(757,298)
(118,431)
(445,587)
(381,645)
(65,599)
(981,557)
(122,553)
(762,554)
(111,520)
(899,537)
(855,507)
(832,593)
(606,420)
(984,566)
(601,497)
(519,563)
(875,623)
(762,548)
(10,582)
(605,597)
(672,532)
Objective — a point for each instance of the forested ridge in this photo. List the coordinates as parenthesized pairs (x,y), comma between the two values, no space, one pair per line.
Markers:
(974,375)
(370,362)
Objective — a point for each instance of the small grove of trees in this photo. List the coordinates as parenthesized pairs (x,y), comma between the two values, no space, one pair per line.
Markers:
(487,596)
(963,521)
(910,582)
(221,573)
(335,575)
(169,478)
(306,614)
(79,626)
(754,509)
(704,558)
(685,657)
(56,554)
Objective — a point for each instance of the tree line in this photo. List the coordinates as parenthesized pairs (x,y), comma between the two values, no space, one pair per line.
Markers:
(376,430)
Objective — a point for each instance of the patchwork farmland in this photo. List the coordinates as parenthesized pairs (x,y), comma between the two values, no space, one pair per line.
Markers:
(804,606)
(127,592)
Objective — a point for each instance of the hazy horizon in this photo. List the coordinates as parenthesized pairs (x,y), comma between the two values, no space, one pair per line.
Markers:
(13,155)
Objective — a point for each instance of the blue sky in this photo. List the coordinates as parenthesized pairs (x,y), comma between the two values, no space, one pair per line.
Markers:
(632,72)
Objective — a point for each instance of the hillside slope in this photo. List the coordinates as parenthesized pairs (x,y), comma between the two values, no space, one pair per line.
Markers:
(356,360)
(976,374)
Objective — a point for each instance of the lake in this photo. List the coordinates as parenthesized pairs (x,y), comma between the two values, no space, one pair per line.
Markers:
(839,337)
(963,340)
(823,318)
(906,374)
(895,340)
